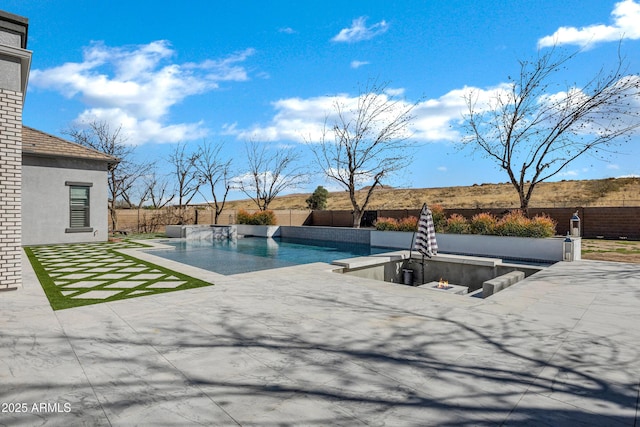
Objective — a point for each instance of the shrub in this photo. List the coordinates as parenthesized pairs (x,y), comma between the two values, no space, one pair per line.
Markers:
(483,223)
(386,224)
(391,224)
(513,223)
(439,218)
(407,224)
(457,224)
(257,218)
(542,226)
(265,218)
(243,217)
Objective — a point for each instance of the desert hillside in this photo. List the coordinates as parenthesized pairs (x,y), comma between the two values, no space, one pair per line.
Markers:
(603,192)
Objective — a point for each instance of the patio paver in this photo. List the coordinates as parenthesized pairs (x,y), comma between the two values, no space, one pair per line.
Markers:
(304,346)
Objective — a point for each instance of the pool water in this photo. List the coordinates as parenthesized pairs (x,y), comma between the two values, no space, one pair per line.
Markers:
(256,253)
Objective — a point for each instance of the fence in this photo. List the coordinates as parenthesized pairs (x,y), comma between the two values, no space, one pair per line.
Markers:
(605,222)
(155,220)
(596,222)
(598,203)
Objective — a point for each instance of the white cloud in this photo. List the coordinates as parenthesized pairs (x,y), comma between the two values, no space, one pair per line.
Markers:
(358,64)
(625,16)
(613,166)
(247,180)
(442,168)
(287,30)
(302,120)
(614,114)
(224,69)
(436,119)
(394,92)
(296,119)
(359,31)
(138,131)
(136,86)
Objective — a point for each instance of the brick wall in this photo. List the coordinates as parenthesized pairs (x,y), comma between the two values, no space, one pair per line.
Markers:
(10,183)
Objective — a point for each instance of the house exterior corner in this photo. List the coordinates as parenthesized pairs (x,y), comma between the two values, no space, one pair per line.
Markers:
(49,199)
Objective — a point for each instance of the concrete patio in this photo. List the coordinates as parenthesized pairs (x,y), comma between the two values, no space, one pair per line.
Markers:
(304,346)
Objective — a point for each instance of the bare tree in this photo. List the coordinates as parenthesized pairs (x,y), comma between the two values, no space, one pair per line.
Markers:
(187,179)
(269,174)
(157,188)
(154,188)
(122,175)
(365,143)
(532,133)
(136,196)
(214,171)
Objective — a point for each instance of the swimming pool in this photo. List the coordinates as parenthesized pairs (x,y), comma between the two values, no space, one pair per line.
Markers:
(256,253)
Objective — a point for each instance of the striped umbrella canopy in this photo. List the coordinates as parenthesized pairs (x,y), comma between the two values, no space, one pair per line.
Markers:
(425,242)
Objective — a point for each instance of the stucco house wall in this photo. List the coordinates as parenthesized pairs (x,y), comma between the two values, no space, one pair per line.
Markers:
(45,200)
(51,167)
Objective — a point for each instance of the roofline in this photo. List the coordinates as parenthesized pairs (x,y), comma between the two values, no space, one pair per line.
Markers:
(16,23)
(112,161)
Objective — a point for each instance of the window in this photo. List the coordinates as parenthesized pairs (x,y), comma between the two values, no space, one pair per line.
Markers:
(79,203)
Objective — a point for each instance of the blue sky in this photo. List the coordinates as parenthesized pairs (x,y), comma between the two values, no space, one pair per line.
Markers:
(231,71)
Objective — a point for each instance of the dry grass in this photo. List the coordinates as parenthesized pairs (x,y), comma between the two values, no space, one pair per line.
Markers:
(603,192)
(611,250)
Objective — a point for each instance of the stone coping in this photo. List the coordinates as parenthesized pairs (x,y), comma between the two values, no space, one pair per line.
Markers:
(371,260)
(378,259)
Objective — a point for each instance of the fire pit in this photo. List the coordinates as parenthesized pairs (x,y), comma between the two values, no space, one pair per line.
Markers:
(444,286)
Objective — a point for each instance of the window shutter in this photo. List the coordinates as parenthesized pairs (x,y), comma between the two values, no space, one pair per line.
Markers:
(79,204)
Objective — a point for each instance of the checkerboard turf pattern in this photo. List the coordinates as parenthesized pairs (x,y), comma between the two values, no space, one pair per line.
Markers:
(80,274)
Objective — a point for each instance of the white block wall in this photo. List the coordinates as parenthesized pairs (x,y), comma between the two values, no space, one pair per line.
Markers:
(10,182)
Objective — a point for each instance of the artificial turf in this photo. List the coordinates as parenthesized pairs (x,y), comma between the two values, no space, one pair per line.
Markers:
(76,275)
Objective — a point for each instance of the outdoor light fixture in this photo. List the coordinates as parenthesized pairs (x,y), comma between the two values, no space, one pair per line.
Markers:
(575,225)
(567,252)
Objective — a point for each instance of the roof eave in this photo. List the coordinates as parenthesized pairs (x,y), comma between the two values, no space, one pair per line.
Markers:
(109,161)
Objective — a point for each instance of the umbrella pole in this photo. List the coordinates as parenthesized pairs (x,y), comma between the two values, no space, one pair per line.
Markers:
(422,278)
(413,241)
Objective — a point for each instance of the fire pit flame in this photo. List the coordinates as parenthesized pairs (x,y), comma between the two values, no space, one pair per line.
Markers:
(443,284)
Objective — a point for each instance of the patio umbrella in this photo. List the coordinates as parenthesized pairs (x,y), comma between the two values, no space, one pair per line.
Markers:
(425,238)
